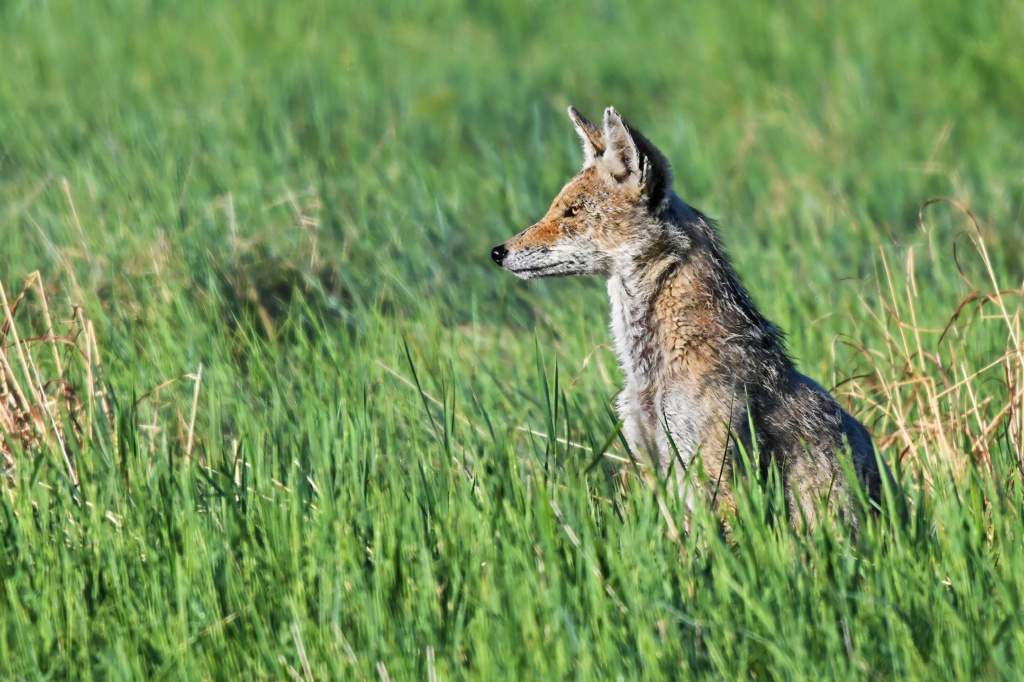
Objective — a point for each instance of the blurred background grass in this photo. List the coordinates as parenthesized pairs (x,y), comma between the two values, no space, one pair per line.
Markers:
(299,198)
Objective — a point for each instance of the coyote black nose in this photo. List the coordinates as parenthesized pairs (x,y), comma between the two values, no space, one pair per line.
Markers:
(498,253)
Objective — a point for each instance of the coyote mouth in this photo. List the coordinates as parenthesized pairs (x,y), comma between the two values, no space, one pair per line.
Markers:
(553,270)
(527,270)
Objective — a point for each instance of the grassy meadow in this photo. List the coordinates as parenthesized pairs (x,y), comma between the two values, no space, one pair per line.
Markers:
(269,411)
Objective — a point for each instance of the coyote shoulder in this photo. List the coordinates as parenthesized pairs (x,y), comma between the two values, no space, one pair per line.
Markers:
(705,372)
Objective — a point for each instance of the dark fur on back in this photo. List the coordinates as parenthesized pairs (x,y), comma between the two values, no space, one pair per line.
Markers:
(780,414)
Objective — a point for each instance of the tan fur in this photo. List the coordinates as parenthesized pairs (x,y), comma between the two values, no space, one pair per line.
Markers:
(701,364)
(688,327)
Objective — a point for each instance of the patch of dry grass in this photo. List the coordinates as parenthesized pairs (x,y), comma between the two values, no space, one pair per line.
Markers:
(50,389)
(940,397)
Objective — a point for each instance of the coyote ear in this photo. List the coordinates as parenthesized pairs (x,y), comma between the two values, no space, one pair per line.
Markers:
(632,160)
(590,134)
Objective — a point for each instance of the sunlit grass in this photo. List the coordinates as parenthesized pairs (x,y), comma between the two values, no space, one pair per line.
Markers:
(270,412)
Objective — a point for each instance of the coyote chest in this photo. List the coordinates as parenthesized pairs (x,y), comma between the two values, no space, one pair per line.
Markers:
(633,339)
(644,405)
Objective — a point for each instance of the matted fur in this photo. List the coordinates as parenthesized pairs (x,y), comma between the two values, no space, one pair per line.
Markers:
(701,364)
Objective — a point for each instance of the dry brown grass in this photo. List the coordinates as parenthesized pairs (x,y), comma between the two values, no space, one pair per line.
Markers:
(942,396)
(49,379)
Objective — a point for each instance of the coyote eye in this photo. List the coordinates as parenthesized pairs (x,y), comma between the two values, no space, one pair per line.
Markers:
(572,210)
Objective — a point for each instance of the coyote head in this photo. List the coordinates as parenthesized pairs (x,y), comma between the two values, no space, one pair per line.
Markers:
(605,219)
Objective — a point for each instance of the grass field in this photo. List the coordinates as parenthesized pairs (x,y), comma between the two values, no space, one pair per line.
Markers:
(279,416)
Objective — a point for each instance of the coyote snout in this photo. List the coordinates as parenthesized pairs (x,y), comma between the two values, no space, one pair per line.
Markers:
(705,372)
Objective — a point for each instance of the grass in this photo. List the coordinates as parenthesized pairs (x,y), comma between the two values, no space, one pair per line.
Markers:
(269,411)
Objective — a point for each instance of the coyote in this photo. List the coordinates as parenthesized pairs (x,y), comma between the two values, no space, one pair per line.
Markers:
(705,372)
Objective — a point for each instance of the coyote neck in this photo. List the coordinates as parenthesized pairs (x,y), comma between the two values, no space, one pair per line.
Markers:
(681,316)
